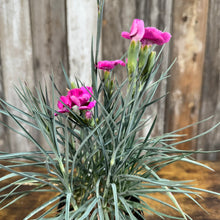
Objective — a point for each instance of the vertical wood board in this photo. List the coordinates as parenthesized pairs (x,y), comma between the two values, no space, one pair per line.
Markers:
(158,13)
(81,26)
(16,53)
(3,129)
(210,101)
(184,86)
(48,24)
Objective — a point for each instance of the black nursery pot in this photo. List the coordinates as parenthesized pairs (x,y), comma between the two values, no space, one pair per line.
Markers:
(137,213)
(62,204)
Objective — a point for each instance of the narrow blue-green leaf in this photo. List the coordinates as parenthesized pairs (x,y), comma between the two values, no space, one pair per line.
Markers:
(25,174)
(48,211)
(66,76)
(197,163)
(67,207)
(196,136)
(29,135)
(89,209)
(100,209)
(8,195)
(10,175)
(94,215)
(13,201)
(115,196)
(99,28)
(35,211)
(127,207)
(13,183)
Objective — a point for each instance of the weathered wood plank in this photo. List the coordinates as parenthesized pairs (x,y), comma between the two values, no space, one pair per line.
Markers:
(3,129)
(157,13)
(16,53)
(49,40)
(189,33)
(81,26)
(118,16)
(210,101)
(48,24)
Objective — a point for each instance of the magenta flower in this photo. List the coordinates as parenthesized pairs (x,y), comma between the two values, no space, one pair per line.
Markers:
(88,105)
(154,36)
(109,65)
(137,31)
(61,106)
(81,97)
(88,115)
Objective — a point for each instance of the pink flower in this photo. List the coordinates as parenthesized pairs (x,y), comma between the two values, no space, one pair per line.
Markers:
(154,36)
(109,65)
(137,31)
(88,105)
(81,97)
(88,115)
(61,106)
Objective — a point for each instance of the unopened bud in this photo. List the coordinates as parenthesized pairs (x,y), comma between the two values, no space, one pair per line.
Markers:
(73,85)
(88,115)
(148,68)
(106,75)
(133,53)
(151,60)
(143,56)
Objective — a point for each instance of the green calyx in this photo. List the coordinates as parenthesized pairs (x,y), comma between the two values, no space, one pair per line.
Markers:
(148,67)
(143,57)
(133,54)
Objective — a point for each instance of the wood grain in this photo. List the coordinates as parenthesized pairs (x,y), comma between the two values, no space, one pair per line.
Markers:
(49,41)
(158,14)
(210,100)
(184,86)
(16,55)
(3,130)
(81,26)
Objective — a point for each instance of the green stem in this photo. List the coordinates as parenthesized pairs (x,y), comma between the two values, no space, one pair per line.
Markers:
(112,163)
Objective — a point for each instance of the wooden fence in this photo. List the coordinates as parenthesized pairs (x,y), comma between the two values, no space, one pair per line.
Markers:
(35,36)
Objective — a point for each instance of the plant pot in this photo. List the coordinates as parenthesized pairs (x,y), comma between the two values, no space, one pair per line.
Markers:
(139,216)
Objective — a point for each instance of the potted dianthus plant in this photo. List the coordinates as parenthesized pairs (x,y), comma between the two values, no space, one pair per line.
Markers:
(98,165)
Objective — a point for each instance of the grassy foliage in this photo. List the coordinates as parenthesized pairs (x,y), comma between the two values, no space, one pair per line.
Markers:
(99,168)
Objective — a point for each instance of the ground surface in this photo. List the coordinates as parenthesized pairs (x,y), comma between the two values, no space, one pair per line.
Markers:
(204,179)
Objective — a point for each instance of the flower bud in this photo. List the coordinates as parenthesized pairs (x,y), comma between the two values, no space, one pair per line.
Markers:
(88,115)
(133,53)
(148,68)
(151,60)
(106,75)
(73,85)
(143,56)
